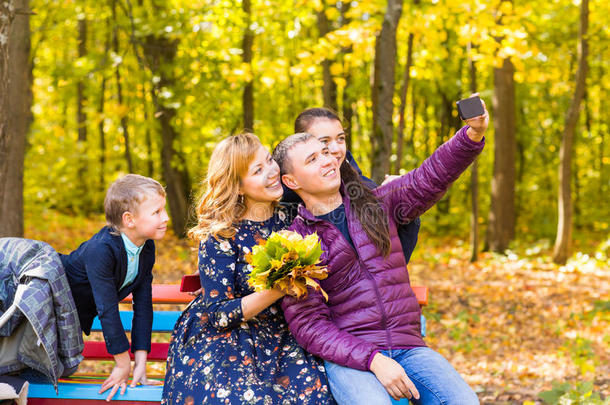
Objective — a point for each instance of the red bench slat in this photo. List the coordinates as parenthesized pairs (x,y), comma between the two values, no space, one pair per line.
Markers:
(421,292)
(97,351)
(167,294)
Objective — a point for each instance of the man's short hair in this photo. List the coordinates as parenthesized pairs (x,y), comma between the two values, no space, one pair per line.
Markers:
(280,153)
(126,194)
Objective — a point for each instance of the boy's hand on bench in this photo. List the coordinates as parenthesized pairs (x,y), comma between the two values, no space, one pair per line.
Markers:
(119,376)
(139,370)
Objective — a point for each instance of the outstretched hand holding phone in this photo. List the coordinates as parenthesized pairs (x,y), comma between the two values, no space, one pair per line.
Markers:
(473,111)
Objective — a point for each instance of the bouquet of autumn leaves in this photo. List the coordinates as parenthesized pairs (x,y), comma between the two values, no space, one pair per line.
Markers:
(288,262)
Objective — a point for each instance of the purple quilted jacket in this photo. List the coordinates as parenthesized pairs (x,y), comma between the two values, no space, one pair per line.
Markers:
(371,305)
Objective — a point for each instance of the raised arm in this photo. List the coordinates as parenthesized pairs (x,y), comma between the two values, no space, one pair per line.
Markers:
(411,195)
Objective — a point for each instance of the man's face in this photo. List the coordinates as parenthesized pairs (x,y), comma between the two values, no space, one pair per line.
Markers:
(314,170)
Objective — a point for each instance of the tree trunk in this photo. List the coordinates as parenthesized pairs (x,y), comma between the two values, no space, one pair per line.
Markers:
(150,168)
(348,112)
(119,90)
(578,217)
(474,182)
(411,140)
(501,228)
(403,104)
(160,53)
(6,17)
(176,179)
(329,87)
(100,111)
(400,136)
(100,129)
(426,130)
(444,117)
(248,94)
(347,99)
(20,92)
(563,242)
(602,124)
(450,123)
(383,92)
(82,195)
(81,116)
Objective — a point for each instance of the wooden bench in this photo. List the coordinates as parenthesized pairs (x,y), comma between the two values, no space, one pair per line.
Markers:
(83,388)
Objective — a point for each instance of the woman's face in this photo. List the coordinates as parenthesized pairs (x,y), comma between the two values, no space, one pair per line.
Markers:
(330,133)
(261,183)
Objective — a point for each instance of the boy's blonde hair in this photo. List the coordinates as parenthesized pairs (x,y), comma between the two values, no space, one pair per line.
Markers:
(126,194)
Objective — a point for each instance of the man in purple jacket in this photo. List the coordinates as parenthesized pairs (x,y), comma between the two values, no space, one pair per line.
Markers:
(368,332)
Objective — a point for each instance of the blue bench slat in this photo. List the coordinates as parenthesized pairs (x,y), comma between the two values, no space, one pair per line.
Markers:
(423,326)
(91,391)
(163,321)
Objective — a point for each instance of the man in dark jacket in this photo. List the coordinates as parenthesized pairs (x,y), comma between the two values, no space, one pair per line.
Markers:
(368,331)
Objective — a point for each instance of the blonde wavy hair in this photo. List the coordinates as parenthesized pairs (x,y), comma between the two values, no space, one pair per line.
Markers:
(220,207)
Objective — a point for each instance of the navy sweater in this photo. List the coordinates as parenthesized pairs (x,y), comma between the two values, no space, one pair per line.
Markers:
(96,271)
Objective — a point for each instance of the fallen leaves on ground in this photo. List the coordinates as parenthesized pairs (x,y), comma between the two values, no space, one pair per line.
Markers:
(512,325)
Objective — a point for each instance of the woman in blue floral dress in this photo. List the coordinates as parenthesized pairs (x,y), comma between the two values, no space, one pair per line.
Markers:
(232,345)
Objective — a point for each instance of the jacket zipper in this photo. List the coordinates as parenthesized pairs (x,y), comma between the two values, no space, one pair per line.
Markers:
(384,317)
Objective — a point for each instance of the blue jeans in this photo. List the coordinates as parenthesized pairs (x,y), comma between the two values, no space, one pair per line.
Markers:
(435,379)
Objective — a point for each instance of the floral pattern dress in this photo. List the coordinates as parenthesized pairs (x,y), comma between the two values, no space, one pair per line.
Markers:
(216,358)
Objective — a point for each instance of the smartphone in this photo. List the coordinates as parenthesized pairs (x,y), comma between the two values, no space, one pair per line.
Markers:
(190,283)
(470,107)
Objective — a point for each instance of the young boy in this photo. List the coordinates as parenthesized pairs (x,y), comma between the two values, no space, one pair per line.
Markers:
(116,262)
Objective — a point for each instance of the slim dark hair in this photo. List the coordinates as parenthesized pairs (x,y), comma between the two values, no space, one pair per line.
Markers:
(363,202)
(307,117)
(368,209)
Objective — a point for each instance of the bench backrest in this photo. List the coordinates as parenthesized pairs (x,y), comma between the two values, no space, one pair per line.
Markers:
(164,321)
(83,389)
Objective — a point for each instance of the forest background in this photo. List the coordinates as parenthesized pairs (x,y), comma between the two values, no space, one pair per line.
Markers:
(516,254)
